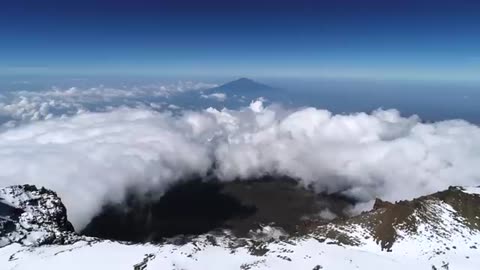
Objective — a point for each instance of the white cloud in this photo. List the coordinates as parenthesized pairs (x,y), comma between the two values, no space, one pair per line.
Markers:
(103,93)
(216,96)
(24,109)
(173,107)
(92,158)
(23,106)
(327,214)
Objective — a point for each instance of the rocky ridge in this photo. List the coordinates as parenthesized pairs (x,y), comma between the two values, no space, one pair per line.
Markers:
(436,218)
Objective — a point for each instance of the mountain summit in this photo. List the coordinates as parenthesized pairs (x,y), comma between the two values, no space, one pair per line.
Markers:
(242,86)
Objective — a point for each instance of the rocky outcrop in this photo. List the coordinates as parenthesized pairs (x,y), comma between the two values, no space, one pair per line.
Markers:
(432,219)
(33,216)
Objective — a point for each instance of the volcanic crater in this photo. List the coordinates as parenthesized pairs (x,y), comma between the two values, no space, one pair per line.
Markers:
(201,206)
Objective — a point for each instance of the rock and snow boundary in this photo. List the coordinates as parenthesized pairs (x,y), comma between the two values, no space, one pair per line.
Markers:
(438,231)
(33,217)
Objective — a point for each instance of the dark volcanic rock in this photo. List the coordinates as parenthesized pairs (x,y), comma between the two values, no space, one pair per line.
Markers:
(381,204)
(32,216)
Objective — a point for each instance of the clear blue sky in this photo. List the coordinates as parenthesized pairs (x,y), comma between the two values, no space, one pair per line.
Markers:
(421,39)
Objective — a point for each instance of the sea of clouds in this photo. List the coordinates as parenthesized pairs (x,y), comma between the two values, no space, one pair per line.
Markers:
(94,157)
(17,107)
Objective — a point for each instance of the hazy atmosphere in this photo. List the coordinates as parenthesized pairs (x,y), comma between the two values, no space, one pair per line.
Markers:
(159,119)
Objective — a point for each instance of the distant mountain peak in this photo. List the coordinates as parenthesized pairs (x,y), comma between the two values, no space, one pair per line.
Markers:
(244,80)
(241,86)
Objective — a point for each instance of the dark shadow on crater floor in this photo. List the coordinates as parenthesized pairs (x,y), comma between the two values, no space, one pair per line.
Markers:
(190,208)
(196,207)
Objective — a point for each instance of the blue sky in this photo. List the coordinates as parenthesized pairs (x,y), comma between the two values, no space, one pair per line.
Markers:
(432,40)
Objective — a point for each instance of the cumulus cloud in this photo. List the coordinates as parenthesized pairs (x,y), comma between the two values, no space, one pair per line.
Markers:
(23,109)
(17,107)
(93,158)
(327,214)
(215,96)
(104,93)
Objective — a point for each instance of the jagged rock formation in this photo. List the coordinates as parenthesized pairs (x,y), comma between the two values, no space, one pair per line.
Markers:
(33,217)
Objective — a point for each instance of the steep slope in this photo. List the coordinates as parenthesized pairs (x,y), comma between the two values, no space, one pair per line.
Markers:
(433,223)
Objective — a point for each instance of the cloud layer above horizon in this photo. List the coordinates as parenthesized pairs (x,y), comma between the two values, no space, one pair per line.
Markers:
(17,107)
(93,158)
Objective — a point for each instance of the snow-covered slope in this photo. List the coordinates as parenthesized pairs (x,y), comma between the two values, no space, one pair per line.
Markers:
(439,231)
